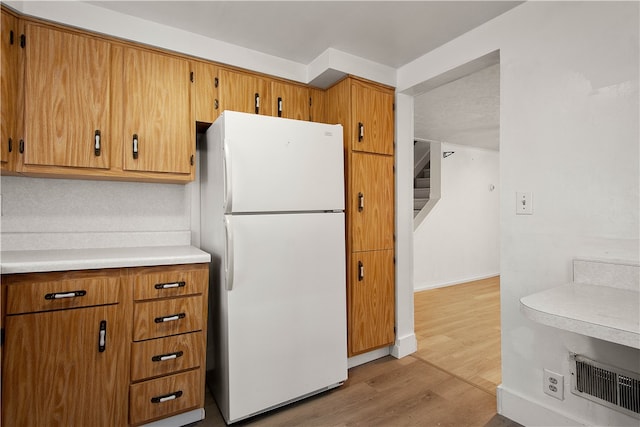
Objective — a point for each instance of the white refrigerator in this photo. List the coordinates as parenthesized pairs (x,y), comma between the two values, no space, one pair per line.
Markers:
(272,217)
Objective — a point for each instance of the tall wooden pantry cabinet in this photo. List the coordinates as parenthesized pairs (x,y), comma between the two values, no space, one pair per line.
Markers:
(365,110)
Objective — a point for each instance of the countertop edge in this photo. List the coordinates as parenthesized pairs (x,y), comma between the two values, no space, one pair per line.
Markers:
(16,262)
(596,329)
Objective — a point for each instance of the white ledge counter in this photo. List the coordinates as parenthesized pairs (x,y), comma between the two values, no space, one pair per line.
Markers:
(83,259)
(602,312)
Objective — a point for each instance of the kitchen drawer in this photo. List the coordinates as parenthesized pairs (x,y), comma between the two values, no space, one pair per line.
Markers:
(159,318)
(163,282)
(55,291)
(165,396)
(161,356)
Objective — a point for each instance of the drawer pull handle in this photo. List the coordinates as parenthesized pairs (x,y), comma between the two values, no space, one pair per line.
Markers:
(170,285)
(169,356)
(70,294)
(170,318)
(166,397)
(360,271)
(360,202)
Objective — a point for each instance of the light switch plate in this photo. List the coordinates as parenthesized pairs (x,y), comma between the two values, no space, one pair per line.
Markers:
(524,203)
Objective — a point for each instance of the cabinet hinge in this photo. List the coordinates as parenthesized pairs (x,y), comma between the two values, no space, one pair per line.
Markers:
(11,37)
(309,101)
(21,146)
(216,82)
(394,106)
(23,40)
(2,337)
(191,76)
(191,161)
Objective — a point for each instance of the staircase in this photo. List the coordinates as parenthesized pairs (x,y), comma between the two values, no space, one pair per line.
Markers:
(421,189)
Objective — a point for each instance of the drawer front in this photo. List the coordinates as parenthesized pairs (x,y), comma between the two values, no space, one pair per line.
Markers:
(165,396)
(161,356)
(160,318)
(163,282)
(56,291)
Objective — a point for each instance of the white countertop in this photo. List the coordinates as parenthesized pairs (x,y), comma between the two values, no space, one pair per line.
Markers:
(602,312)
(82,259)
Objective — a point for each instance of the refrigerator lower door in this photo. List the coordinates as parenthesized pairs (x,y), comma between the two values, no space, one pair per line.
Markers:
(286,310)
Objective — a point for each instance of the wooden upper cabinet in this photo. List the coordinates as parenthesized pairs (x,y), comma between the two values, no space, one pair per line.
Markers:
(159,135)
(371,202)
(317,105)
(67,99)
(289,100)
(9,97)
(371,301)
(243,92)
(205,92)
(372,119)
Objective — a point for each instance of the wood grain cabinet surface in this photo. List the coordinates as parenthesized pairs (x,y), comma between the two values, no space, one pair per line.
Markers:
(64,366)
(10,101)
(76,353)
(365,110)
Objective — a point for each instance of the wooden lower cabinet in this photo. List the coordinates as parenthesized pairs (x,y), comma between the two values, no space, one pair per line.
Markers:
(64,367)
(168,341)
(371,301)
(113,347)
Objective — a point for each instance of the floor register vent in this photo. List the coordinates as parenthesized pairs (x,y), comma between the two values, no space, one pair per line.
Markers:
(613,387)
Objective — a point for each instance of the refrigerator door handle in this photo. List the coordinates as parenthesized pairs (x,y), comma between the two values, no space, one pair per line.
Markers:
(228,267)
(226,173)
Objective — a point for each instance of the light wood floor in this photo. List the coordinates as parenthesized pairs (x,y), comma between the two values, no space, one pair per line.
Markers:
(412,391)
(458,330)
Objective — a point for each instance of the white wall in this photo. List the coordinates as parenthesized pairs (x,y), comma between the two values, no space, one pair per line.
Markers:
(569,134)
(459,240)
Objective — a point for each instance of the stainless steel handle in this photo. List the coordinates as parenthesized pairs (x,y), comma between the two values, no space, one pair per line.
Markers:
(257,100)
(168,356)
(229,261)
(96,142)
(170,318)
(360,202)
(360,271)
(102,336)
(135,145)
(169,285)
(279,106)
(360,132)
(69,294)
(166,397)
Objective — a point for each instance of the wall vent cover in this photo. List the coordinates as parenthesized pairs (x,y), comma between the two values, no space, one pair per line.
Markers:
(612,387)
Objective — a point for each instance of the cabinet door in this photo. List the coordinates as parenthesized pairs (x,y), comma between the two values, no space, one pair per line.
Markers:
(205,92)
(371,313)
(290,101)
(159,135)
(317,105)
(54,373)
(9,97)
(66,99)
(372,119)
(243,92)
(371,202)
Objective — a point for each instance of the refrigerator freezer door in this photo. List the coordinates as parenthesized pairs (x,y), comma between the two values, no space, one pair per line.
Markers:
(280,165)
(286,329)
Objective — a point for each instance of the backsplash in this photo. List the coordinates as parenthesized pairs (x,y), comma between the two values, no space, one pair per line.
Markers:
(39,213)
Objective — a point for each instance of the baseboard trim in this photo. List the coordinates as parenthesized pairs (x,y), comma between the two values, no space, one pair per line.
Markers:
(424,287)
(179,420)
(404,346)
(361,359)
(531,413)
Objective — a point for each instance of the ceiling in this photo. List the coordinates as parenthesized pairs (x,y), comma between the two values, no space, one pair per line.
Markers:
(465,111)
(392,33)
